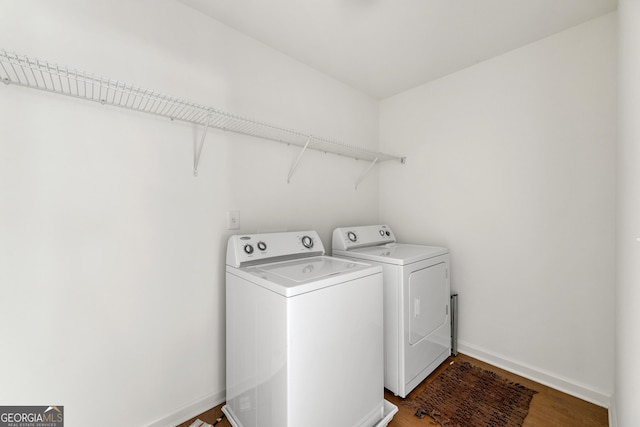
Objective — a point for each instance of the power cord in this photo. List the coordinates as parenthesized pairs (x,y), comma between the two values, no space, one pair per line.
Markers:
(218,420)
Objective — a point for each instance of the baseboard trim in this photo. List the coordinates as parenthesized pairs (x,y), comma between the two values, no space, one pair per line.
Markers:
(613,417)
(562,384)
(183,414)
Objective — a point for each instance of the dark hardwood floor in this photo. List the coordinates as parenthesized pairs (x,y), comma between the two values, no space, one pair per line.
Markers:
(549,407)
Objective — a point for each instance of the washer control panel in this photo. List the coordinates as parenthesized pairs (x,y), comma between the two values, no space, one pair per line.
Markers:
(357,237)
(268,247)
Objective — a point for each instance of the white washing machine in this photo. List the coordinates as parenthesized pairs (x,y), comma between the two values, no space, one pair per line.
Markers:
(304,335)
(417,326)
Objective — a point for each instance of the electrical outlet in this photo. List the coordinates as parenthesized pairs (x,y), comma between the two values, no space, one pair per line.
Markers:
(233,220)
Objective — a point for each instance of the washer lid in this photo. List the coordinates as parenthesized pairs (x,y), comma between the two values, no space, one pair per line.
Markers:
(395,253)
(294,277)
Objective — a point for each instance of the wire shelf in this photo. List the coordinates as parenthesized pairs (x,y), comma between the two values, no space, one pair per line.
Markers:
(39,74)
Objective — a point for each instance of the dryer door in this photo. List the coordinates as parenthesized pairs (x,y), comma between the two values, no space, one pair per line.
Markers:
(427,300)
(427,328)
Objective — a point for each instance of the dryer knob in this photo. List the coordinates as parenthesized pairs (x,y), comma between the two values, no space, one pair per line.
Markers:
(262,246)
(381,233)
(248,249)
(307,242)
(352,236)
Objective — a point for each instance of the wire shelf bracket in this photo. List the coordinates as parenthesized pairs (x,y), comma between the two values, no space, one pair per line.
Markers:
(197,153)
(35,73)
(295,164)
(366,171)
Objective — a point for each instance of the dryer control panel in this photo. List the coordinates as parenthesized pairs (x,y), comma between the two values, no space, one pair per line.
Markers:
(359,237)
(250,249)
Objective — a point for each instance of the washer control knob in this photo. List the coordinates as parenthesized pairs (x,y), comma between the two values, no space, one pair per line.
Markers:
(248,249)
(307,242)
(352,236)
(388,234)
(262,246)
(381,233)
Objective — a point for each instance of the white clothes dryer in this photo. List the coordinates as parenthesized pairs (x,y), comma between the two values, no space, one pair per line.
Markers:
(304,335)
(417,325)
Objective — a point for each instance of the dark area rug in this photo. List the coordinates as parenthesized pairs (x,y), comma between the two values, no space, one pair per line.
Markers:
(464,395)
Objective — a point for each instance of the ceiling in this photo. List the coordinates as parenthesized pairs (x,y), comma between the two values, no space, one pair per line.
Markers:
(384,47)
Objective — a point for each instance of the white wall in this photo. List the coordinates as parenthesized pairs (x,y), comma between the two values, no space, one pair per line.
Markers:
(627,372)
(511,164)
(111,251)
